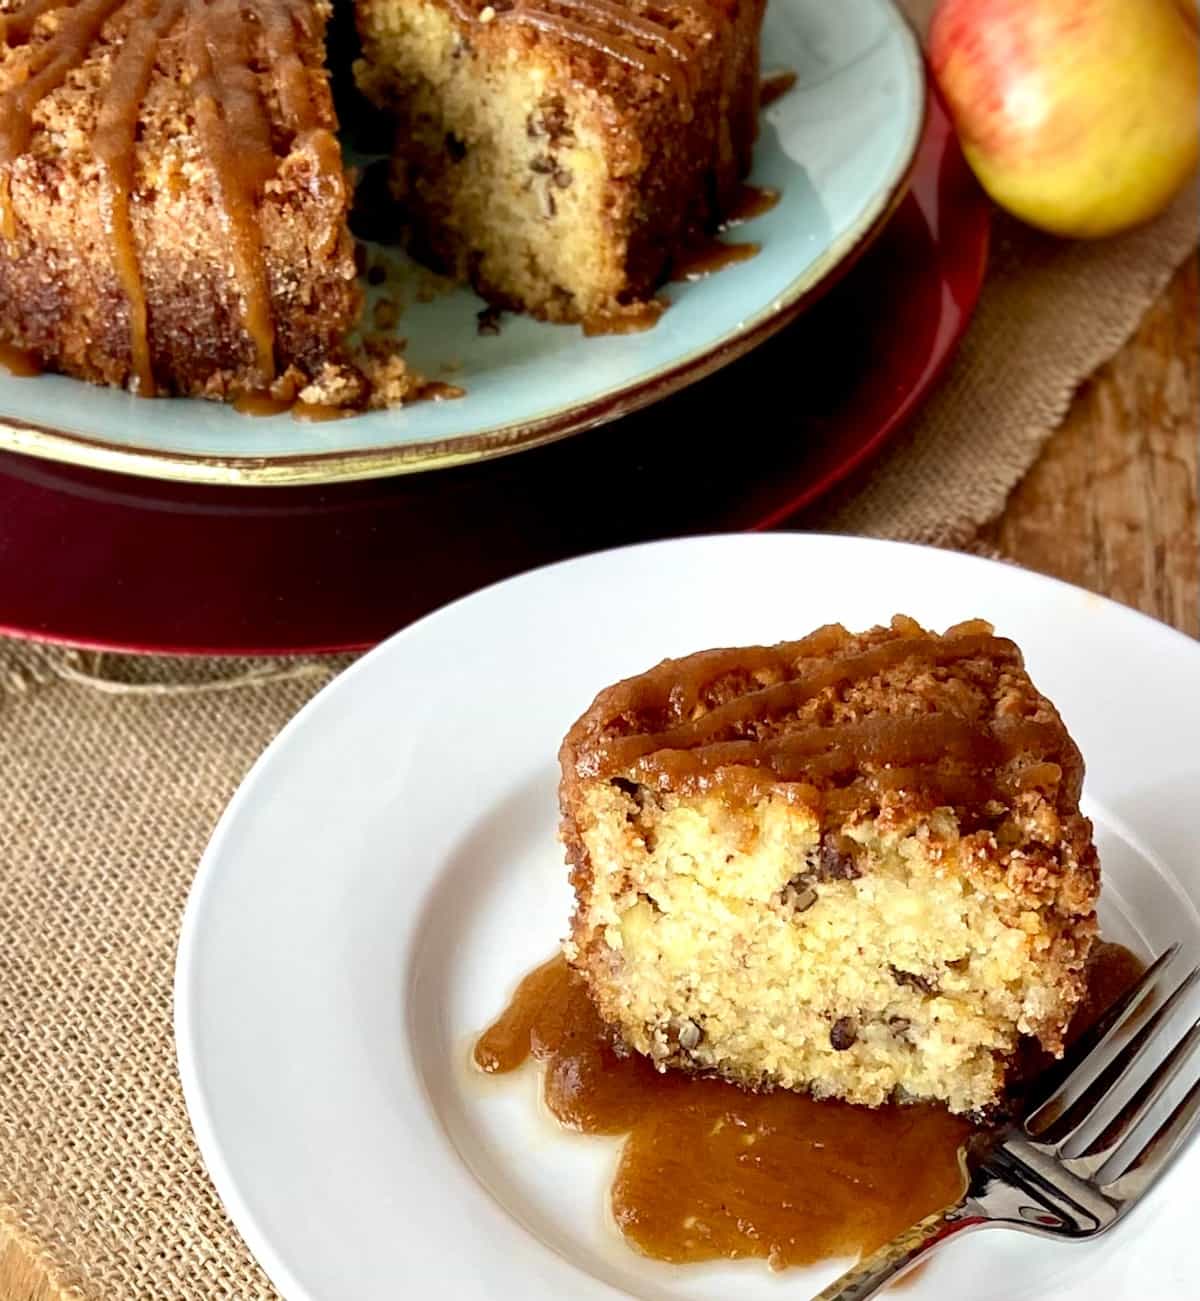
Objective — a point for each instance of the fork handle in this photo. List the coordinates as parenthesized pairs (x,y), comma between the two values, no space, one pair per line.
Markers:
(870,1276)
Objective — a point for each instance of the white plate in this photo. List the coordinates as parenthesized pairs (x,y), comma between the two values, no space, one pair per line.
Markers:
(837,147)
(389,869)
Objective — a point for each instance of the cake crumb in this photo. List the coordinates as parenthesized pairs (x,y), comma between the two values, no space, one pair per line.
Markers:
(336,384)
(385,313)
(391,381)
(488,320)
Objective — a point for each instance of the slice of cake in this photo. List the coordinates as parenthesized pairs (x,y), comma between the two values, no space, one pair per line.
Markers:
(853,864)
(555,153)
(172,200)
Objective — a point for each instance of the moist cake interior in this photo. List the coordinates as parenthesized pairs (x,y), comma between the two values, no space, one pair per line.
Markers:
(557,153)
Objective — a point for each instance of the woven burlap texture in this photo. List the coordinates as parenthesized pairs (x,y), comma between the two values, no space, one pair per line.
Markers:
(1051,312)
(107,799)
(105,804)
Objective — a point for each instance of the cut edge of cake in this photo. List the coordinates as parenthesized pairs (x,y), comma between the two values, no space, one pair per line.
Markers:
(556,154)
(852,864)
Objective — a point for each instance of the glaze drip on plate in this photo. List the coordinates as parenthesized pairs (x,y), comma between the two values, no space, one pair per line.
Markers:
(709,1171)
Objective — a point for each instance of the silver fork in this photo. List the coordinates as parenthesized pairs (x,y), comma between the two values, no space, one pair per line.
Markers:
(1076,1163)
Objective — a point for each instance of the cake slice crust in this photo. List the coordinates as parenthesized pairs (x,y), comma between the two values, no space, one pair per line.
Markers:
(172,200)
(852,864)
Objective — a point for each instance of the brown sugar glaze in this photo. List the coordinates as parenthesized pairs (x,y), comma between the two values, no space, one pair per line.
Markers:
(752,201)
(261,404)
(437,390)
(709,1171)
(957,760)
(606,26)
(224,44)
(774,85)
(708,255)
(318,413)
(18,362)
(113,143)
(703,255)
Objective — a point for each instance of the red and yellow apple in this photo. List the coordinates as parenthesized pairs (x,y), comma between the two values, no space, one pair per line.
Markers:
(1081,117)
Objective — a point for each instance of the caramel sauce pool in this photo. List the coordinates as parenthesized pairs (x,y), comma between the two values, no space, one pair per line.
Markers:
(260,404)
(752,201)
(18,362)
(706,256)
(709,1171)
(319,412)
(263,405)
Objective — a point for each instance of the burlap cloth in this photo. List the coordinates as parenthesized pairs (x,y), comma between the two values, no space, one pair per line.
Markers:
(108,796)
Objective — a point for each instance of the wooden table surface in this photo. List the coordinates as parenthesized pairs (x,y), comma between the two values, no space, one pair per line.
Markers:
(1112,504)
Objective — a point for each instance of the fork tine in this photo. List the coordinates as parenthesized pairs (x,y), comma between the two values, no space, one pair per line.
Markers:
(1098,1048)
(1102,1148)
(1158,1153)
(1093,1112)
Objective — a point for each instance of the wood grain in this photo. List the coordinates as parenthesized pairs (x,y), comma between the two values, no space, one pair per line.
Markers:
(1111,504)
(21,1277)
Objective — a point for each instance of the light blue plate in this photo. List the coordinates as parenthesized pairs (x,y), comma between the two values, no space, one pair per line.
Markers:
(838,148)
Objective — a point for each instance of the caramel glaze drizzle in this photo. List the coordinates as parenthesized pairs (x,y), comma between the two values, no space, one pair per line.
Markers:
(678,686)
(595,38)
(593,29)
(296,100)
(231,118)
(635,24)
(774,85)
(48,70)
(116,127)
(909,751)
(15,29)
(8,221)
(236,137)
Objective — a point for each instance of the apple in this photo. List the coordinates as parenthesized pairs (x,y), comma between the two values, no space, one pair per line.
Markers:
(1081,117)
